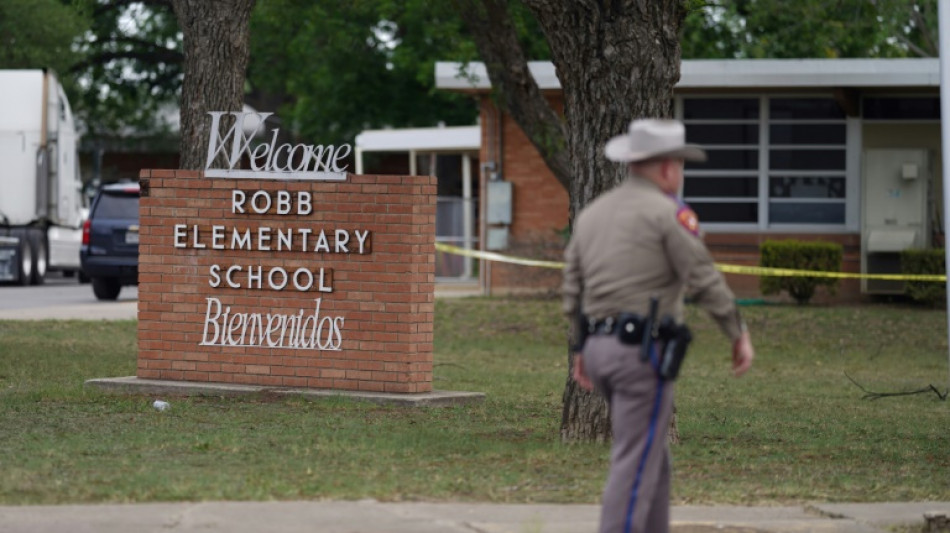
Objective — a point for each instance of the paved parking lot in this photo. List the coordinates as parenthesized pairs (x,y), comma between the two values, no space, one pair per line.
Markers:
(64,298)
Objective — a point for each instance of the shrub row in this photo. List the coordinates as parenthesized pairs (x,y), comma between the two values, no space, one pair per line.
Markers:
(799,255)
(931,261)
(826,256)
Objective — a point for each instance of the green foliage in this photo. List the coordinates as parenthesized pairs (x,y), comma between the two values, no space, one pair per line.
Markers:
(130,72)
(932,261)
(332,69)
(799,255)
(810,28)
(39,34)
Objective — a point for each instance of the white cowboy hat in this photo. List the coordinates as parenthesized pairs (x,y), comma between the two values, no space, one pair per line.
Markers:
(651,138)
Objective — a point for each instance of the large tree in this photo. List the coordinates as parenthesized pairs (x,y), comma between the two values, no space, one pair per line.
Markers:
(616,61)
(215,35)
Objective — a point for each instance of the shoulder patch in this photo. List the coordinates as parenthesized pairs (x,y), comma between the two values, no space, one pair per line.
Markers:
(688,219)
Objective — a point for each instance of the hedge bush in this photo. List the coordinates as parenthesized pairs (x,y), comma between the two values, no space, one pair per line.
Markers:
(932,261)
(800,255)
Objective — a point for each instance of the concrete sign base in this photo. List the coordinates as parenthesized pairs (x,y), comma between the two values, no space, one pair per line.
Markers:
(166,388)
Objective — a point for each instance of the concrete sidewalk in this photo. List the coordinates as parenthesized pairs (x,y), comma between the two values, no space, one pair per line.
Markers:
(374,517)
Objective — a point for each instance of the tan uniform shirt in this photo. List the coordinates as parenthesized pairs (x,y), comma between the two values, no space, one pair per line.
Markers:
(633,243)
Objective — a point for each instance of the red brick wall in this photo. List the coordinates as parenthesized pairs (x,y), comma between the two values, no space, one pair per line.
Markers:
(384,296)
(540,206)
(540,201)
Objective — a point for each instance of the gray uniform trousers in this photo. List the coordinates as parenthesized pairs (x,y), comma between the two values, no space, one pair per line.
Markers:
(637,496)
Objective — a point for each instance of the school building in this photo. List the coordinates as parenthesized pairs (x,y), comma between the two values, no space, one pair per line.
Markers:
(840,150)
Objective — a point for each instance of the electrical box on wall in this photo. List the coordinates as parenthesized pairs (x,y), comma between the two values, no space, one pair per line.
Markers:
(497,238)
(499,202)
(894,212)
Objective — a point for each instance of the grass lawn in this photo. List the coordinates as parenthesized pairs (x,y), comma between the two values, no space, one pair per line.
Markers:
(795,429)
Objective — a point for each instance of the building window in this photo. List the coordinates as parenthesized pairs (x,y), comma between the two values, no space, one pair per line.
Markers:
(901,108)
(773,162)
(725,188)
(807,161)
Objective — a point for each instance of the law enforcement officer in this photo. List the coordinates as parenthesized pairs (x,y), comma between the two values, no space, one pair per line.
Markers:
(632,244)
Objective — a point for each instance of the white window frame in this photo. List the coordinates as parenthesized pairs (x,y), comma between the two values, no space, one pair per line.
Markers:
(851,172)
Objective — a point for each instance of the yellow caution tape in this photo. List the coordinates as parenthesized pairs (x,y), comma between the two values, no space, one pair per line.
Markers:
(789,272)
(492,256)
(729,269)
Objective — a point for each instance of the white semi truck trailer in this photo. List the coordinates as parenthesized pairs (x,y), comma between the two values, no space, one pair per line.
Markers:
(41,200)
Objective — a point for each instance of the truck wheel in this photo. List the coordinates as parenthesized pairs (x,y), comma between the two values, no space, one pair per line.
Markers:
(40,257)
(106,288)
(24,257)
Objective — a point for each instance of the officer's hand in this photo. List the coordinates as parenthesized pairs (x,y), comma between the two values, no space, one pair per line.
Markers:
(580,376)
(742,354)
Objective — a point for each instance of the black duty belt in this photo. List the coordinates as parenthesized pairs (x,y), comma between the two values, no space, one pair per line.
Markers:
(637,330)
(630,327)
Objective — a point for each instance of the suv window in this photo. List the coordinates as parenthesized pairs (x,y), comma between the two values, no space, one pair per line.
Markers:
(117,206)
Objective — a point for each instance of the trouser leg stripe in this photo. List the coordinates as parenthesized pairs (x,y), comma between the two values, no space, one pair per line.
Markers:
(654,416)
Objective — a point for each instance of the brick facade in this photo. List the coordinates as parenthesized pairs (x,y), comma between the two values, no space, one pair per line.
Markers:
(540,207)
(541,212)
(374,326)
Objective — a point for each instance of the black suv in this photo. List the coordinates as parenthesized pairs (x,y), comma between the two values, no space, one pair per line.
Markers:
(110,240)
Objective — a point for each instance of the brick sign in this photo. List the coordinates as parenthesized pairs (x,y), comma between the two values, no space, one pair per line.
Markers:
(290,274)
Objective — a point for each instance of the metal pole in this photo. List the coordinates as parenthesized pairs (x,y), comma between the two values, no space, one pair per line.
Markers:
(943,11)
(468,219)
(359,160)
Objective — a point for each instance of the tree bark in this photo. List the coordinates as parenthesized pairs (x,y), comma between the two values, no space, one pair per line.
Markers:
(584,415)
(216,45)
(616,60)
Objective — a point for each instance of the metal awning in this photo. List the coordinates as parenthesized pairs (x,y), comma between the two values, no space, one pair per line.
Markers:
(457,138)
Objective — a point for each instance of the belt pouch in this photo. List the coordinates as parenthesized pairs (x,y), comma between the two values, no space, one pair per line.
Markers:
(674,351)
(629,329)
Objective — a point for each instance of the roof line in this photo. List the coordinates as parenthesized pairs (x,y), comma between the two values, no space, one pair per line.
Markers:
(736,73)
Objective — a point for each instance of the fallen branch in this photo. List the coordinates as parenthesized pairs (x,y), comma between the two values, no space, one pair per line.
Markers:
(463,367)
(871,395)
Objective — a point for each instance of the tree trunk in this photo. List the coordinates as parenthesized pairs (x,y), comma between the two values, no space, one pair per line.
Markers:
(216,45)
(616,60)
(584,415)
